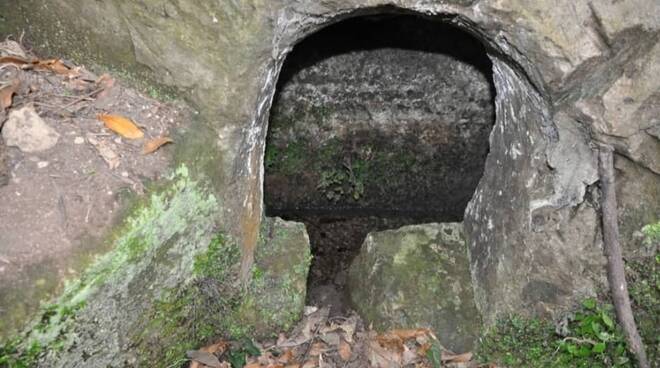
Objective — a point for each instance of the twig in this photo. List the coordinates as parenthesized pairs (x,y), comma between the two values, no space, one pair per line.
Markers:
(615,267)
(83,97)
(579,341)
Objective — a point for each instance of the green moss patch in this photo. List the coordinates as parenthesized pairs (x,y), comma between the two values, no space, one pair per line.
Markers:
(155,246)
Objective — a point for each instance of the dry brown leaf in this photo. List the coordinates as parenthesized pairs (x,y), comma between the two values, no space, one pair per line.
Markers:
(7,92)
(455,358)
(121,125)
(424,348)
(218,347)
(252,365)
(54,65)
(345,350)
(154,144)
(380,357)
(294,365)
(406,334)
(310,364)
(14,60)
(12,48)
(317,349)
(408,356)
(285,357)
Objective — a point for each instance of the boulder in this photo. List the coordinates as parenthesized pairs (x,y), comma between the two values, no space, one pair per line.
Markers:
(169,285)
(417,276)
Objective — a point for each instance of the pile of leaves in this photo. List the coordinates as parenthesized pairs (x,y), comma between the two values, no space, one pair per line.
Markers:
(320,341)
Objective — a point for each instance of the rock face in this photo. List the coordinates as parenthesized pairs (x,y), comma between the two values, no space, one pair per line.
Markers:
(391,121)
(417,276)
(115,316)
(566,74)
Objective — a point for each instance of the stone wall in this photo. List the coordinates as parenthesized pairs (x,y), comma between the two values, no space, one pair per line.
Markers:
(395,122)
(567,74)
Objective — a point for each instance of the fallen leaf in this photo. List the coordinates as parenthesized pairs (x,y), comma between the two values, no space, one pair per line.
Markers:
(121,125)
(218,347)
(204,358)
(7,92)
(406,334)
(310,364)
(408,356)
(317,349)
(154,144)
(252,365)
(345,350)
(12,48)
(456,358)
(307,328)
(54,65)
(14,60)
(380,357)
(285,357)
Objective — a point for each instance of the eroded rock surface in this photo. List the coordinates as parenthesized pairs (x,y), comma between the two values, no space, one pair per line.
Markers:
(417,276)
(584,62)
(394,122)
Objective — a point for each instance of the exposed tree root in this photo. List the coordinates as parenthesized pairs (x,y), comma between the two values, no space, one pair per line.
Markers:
(612,248)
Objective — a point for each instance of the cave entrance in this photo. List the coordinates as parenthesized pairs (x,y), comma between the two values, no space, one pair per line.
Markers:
(378,121)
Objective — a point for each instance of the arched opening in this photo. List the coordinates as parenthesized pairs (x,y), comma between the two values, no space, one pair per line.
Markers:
(378,121)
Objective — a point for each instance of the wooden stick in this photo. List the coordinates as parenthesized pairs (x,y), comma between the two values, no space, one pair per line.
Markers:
(615,266)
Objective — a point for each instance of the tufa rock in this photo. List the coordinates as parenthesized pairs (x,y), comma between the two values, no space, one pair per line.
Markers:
(417,276)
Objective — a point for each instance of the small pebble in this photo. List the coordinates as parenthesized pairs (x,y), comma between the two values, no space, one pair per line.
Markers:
(79,140)
(42,164)
(124,174)
(118,140)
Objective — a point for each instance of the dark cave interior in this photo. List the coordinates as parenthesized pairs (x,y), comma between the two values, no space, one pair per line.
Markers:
(378,122)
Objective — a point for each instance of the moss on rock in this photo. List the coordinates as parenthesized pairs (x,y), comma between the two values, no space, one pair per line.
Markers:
(169,285)
(417,276)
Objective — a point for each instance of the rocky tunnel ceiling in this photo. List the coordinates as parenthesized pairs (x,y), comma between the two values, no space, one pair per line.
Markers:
(377,122)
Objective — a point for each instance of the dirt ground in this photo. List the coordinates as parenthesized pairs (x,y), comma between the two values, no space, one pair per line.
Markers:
(57,203)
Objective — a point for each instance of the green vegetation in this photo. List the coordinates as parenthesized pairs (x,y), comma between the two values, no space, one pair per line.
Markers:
(651,234)
(643,276)
(143,237)
(189,317)
(587,338)
(348,180)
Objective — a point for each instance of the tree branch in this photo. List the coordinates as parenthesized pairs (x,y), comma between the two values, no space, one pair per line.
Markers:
(615,266)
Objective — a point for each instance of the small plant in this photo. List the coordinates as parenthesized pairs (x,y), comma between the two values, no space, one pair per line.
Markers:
(588,338)
(347,180)
(596,336)
(651,234)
